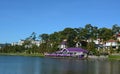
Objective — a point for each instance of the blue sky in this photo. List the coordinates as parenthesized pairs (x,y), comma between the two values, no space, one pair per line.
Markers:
(19,18)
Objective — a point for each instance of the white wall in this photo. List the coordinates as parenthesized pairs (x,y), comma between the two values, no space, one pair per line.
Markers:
(111,44)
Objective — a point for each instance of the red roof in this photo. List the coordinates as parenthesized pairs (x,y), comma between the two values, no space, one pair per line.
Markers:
(118,34)
(111,40)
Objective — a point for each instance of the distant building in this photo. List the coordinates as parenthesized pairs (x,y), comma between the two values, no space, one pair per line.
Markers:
(36,42)
(118,37)
(98,41)
(14,43)
(111,43)
(5,44)
(21,42)
(78,44)
(63,44)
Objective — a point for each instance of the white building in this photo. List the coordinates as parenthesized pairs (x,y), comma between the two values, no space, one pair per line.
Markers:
(21,42)
(98,41)
(14,43)
(63,44)
(36,42)
(111,43)
(118,37)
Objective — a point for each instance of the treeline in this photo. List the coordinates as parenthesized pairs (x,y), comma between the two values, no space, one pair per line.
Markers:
(50,42)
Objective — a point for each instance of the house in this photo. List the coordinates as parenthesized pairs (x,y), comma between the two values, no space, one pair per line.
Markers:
(3,45)
(21,42)
(78,44)
(98,41)
(111,43)
(70,52)
(36,42)
(14,43)
(63,44)
(118,37)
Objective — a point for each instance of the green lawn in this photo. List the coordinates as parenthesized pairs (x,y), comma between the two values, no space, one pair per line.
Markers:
(116,57)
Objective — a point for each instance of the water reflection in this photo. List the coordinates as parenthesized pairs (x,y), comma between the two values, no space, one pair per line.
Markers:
(73,66)
(37,65)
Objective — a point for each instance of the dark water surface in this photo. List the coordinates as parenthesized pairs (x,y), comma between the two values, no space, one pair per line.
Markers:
(37,65)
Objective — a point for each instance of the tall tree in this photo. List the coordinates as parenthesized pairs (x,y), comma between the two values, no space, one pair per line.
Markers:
(80,33)
(70,34)
(115,29)
(32,36)
(89,29)
(44,37)
(95,32)
(105,33)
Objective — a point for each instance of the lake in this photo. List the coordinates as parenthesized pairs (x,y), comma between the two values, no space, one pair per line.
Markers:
(45,65)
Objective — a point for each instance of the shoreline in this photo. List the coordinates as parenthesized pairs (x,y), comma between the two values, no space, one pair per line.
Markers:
(98,57)
(22,54)
(110,57)
(114,57)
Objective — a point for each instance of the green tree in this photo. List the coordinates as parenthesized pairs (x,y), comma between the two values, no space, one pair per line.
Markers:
(33,36)
(89,29)
(80,34)
(105,33)
(115,29)
(70,34)
(44,37)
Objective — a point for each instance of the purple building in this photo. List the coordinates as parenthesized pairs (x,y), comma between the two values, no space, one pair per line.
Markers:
(70,52)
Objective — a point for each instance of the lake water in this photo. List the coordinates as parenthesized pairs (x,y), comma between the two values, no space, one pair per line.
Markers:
(38,65)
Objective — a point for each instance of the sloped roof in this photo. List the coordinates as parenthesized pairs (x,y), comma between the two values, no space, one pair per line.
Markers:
(111,40)
(118,35)
(77,49)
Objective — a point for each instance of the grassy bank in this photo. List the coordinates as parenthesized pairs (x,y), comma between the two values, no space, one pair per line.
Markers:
(111,57)
(114,57)
(22,54)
